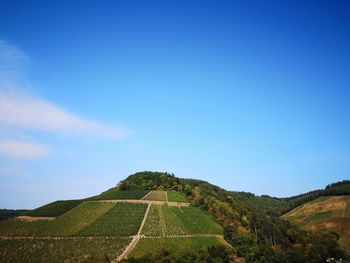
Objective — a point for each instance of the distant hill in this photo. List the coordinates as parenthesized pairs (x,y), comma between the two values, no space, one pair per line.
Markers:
(279,206)
(157,217)
(331,213)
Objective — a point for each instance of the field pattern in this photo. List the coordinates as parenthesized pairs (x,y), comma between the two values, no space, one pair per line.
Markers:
(122,220)
(176,245)
(67,224)
(113,194)
(156,196)
(154,224)
(54,209)
(176,197)
(179,221)
(61,250)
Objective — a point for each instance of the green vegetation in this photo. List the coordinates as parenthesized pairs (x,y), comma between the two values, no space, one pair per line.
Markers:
(156,196)
(178,246)
(151,181)
(189,220)
(122,220)
(65,225)
(10,213)
(114,193)
(61,250)
(258,234)
(166,220)
(176,197)
(154,225)
(249,223)
(58,208)
(54,209)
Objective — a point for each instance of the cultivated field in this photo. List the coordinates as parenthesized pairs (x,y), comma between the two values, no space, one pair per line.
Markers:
(61,250)
(179,221)
(99,231)
(176,197)
(113,194)
(123,219)
(157,196)
(67,224)
(176,245)
(54,209)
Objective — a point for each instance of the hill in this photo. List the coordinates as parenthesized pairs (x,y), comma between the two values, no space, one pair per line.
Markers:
(331,213)
(112,226)
(157,217)
(279,206)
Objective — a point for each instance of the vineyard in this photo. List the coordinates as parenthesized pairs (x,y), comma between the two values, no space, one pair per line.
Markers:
(177,245)
(113,194)
(61,250)
(99,229)
(157,196)
(122,220)
(164,220)
(54,209)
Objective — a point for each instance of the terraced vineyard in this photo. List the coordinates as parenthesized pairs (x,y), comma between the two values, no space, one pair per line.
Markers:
(99,229)
(177,245)
(54,209)
(67,224)
(179,221)
(58,208)
(156,196)
(113,194)
(121,220)
(61,250)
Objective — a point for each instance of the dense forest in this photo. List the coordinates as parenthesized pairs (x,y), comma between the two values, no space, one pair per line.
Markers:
(251,223)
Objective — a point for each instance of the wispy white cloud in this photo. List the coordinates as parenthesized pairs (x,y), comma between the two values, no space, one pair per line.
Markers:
(24,114)
(23,150)
(33,113)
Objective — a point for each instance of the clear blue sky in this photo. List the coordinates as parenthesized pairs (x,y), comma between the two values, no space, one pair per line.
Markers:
(248,95)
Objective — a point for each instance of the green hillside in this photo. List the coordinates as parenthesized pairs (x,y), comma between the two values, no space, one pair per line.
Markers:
(331,213)
(157,217)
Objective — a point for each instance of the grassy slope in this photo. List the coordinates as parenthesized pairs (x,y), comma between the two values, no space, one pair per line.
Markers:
(165,220)
(64,250)
(328,212)
(176,245)
(176,197)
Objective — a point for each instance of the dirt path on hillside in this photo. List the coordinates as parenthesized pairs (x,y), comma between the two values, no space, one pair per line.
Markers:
(63,237)
(162,221)
(183,236)
(103,237)
(134,240)
(142,201)
(146,195)
(34,218)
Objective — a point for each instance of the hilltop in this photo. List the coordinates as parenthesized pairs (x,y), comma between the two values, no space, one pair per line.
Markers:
(157,217)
